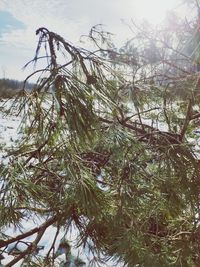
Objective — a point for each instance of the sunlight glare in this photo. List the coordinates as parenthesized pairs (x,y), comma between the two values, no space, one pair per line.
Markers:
(153,11)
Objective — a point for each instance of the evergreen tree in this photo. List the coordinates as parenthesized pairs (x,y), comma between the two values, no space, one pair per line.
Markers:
(109,149)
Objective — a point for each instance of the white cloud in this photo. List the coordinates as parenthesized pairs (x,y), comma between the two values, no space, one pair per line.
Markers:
(73,18)
(67,18)
(34,14)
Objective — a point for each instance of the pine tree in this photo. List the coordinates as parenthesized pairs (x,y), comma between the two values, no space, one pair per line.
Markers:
(122,171)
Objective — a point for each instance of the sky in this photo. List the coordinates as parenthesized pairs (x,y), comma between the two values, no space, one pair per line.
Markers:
(19,19)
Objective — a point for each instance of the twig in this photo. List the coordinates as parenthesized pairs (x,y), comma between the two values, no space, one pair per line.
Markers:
(4,243)
(33,246)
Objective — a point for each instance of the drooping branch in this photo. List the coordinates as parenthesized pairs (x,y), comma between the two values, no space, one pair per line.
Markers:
(45,225)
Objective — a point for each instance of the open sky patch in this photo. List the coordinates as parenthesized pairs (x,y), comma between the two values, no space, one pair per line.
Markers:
(9,23)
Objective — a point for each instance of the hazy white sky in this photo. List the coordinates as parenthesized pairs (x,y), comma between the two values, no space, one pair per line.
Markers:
(70,18)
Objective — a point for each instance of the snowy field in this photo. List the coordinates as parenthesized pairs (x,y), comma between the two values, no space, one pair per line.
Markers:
(9,127)
(9,133)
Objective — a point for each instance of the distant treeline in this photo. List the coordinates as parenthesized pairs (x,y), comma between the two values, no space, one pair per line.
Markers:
(10,87)
(14,84)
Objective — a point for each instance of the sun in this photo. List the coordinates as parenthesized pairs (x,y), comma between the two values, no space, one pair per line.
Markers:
(153,11)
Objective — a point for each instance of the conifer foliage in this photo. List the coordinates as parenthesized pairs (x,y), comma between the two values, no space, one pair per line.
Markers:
(109,149)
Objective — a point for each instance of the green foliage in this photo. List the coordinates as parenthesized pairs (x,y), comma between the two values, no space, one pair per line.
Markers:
(122,171)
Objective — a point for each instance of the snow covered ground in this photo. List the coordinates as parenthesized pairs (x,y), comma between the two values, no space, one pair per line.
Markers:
(9,127)
(9,133)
